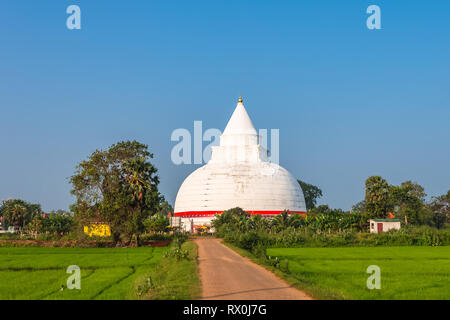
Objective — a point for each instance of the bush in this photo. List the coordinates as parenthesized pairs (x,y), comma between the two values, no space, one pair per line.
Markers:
(179,239)
(157,236)
(177,253)
(9,236)
(254,241)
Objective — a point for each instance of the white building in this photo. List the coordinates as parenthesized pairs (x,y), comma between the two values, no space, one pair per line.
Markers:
(383,225)
(238,175)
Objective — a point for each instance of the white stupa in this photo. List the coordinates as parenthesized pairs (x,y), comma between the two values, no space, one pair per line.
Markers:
(238,175)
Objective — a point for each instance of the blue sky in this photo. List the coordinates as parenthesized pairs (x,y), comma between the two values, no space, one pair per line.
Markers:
(349,102)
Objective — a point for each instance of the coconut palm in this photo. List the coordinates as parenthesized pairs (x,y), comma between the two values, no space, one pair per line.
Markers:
(141,186)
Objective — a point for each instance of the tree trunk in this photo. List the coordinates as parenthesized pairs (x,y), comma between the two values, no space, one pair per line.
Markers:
(116,238)
(136,239)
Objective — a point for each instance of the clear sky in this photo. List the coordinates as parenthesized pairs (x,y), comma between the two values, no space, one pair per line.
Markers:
(349,102)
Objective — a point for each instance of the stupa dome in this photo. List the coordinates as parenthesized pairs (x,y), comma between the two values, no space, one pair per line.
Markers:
(238,175)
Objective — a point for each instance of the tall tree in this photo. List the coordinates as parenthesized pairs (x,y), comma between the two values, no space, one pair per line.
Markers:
(360,207)
(440,207)
(415,189)
(117,186)
(311,193)
(408,201)
(165,208)
(144,197)
(377,199)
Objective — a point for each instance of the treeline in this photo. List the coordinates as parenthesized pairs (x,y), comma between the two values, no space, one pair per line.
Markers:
(423,222)
(117,187)
(30,222)
(406,201)
(256,233)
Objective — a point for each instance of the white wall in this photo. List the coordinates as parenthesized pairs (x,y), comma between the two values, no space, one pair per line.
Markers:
(387,225)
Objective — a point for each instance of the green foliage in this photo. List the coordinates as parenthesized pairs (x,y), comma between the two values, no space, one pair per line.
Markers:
(118,186)
(9,236)
(305,237)
(177,253)
(440,210)
(377,197)
(174,277)
(19,213)
(157,236)
(311,194)
(322,218)
(165,208)
(235,217)
(360,207)
(406,202)
(156,223)
(322,227)
(54,224)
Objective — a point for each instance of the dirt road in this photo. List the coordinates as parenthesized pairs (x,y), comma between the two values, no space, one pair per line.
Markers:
(227,275)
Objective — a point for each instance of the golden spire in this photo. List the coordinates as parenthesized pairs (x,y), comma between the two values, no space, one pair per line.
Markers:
(240,99)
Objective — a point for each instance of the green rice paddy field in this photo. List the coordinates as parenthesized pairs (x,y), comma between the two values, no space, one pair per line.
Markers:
(39,273)
(333,273)
(340,273)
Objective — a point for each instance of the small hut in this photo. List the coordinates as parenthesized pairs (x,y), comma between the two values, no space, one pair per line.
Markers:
(383,225)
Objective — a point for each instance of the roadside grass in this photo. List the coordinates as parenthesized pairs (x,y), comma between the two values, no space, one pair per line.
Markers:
(106,273)
(340,273)
(173,279)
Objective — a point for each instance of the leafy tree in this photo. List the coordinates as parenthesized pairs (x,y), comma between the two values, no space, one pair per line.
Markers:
(57,223)
(165,208)
(117,186)
(440,208)
(360,207)
(377,197)
(35,227)
(311,193)
(19,213)
(145,198)
(157,223)
(414,189)
(408,201)
(54,223)
(234,217)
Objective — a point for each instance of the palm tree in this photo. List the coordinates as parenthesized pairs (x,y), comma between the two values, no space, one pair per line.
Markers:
(138,174)
(18,216)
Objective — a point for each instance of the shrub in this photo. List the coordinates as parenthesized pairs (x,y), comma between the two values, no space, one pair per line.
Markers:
(339,229)
(256,241)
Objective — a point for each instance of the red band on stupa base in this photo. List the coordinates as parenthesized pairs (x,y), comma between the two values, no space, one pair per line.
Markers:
(198,214)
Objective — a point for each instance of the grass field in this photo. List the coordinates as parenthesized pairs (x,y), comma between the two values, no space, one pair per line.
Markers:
(39,273)
(172,279)
(340,273)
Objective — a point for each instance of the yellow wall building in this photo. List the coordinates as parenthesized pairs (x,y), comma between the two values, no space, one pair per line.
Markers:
(98,230)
